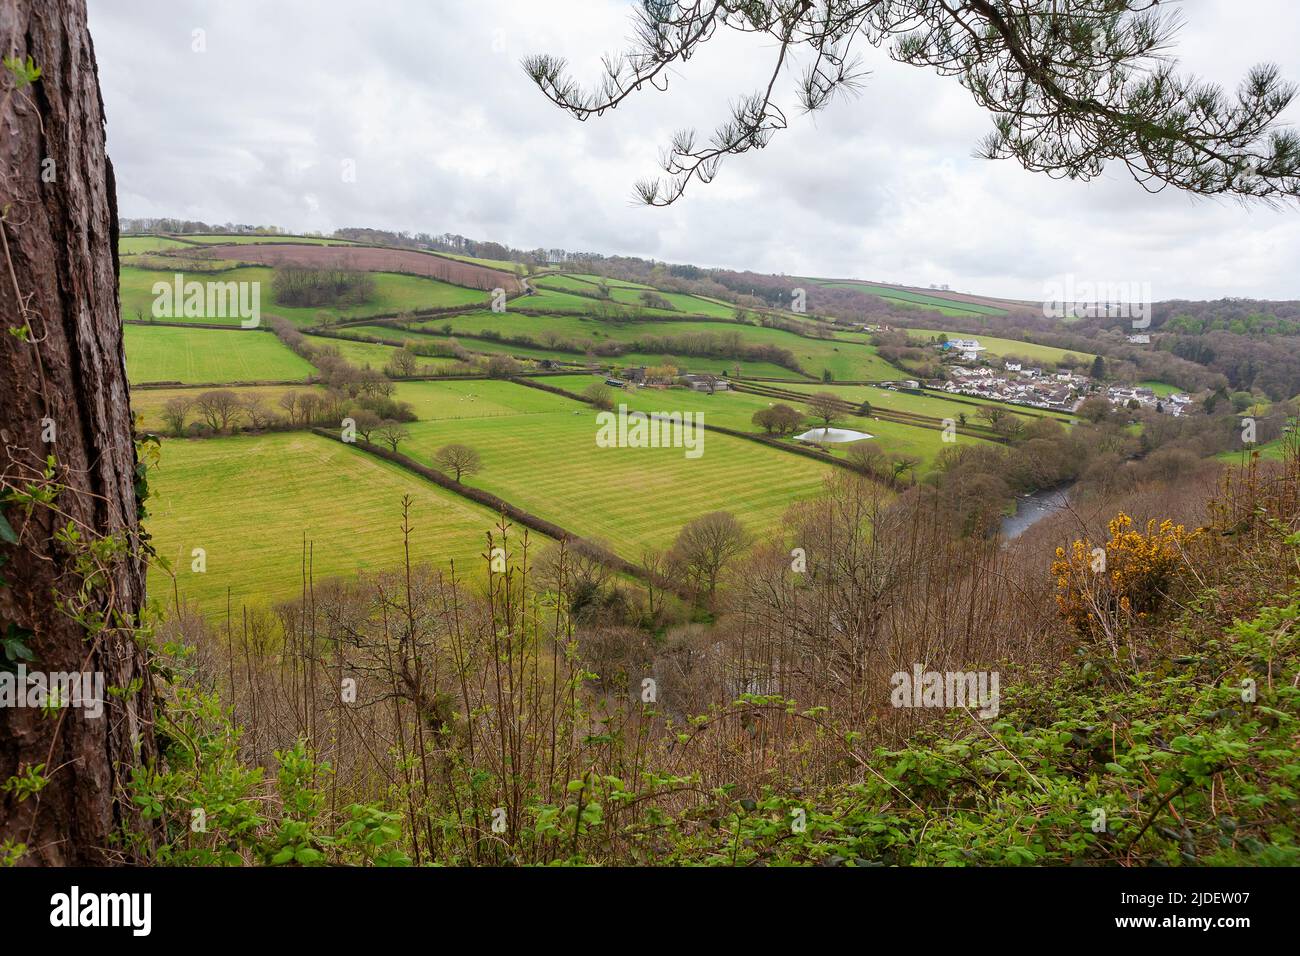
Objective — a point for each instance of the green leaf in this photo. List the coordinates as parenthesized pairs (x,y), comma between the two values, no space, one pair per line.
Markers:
(7,531)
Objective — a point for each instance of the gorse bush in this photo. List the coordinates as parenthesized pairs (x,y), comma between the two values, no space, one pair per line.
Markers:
(1104,590)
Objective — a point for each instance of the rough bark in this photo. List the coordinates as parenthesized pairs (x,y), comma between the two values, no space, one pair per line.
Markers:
(58,281)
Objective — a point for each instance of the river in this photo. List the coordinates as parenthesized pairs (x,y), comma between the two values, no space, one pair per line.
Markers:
(1033,509)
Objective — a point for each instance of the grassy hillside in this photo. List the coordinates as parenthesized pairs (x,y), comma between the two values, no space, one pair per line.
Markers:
(906,297)
(171,354)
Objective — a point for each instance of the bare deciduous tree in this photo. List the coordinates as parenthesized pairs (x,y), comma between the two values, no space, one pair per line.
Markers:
(458,460)
(220,408)
(707,545)
(392,433)
(404,363)
(826,407)
(258,415)
(175,411)
(366,422)
(289,402)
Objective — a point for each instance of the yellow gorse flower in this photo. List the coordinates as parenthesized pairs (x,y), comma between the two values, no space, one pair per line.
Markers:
(1125,578)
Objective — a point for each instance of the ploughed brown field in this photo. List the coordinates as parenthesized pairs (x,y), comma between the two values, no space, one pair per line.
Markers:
(365,259)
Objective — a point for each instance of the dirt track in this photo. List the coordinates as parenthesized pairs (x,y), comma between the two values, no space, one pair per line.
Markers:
(366,259)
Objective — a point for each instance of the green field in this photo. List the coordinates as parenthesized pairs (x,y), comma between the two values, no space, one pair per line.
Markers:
(127,245)
(147,403)
(478,398)
(543,458)
(505,265)
(997,348)
(171,354)
(249,502)
(361,354)
(612,283)
(1162,389)
(565,283)
(551,300)
(394,293)
(626,293)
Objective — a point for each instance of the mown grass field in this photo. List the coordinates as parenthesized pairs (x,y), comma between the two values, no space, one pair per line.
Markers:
(250,501)
(1162,389)
(393,293)
(478,398)
(548,463)
(147,403)
(997,348)
(171,354)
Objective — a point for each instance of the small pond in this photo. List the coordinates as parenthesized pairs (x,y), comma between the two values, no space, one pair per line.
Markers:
(833,435)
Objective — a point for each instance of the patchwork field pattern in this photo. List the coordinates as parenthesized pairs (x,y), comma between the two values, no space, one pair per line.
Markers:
(394,293)
(735,410)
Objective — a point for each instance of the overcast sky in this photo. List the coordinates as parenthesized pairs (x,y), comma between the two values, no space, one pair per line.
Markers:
(447,134)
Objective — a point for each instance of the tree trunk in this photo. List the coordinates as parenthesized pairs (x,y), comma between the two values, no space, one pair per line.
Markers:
(63,396)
